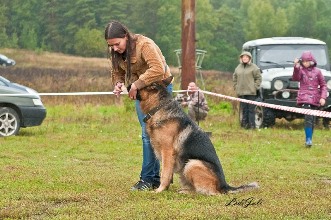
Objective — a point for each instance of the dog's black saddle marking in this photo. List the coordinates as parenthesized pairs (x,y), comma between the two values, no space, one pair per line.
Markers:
(154,110)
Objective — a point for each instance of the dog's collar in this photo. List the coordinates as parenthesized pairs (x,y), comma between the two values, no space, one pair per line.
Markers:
(154,110)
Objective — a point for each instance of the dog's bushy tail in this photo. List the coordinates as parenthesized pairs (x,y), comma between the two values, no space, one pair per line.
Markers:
(243,188)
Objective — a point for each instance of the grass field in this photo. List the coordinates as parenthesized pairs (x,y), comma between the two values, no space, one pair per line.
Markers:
(82,161)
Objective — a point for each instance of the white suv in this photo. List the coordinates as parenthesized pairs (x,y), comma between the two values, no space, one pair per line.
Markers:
(275,58)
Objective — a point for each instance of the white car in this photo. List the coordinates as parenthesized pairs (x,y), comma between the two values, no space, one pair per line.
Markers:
(5,61)
(20,106)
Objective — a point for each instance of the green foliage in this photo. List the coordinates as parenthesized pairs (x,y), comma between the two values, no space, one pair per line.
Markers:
(221,108)
(230,27)
(303,23)
(168,31)
(206,26)
(3,23)
(88,43)
(222,26)
(144,19)
(12,41)
(3,38)
(264,21)
(227,56)
(29,38)
(129,105)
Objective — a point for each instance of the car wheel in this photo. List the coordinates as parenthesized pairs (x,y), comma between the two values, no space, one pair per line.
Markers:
(327,121)
(269,118)
(258,116)
(9,122)
(264,117)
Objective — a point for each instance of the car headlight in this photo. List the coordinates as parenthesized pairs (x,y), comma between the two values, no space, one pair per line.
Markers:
(328,84)
(278,84)
(286,94)
(37,102)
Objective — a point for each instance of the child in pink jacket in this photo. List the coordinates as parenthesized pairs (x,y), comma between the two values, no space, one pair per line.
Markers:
(313,90)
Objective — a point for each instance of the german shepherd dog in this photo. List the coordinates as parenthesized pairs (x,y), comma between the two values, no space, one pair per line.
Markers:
(181,146)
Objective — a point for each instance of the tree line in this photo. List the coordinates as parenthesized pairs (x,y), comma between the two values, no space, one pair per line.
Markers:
(222,26)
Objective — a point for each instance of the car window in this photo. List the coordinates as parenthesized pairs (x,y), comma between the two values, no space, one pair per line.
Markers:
(284,55)
(3,81)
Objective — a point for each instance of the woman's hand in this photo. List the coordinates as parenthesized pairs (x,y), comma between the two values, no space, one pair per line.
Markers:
(322,102)
(118,89)
(133,92)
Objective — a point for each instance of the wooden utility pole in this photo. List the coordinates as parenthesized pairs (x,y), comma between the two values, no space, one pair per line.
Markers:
(188,43)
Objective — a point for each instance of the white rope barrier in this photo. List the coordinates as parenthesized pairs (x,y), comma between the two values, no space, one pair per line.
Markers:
(318,113)
(273,106)
(60,94)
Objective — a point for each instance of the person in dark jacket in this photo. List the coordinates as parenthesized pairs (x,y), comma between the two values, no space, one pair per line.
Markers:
(313,90)
(246,82)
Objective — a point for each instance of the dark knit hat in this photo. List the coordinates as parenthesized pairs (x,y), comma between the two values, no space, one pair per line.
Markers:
(115,29)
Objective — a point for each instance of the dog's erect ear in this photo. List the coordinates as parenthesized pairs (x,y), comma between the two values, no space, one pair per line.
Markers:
(167,81)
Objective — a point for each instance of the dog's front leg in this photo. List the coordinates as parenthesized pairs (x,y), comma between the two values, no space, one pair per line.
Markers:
(168,163)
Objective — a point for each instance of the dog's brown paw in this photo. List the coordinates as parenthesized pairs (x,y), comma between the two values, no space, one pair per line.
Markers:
(160,189)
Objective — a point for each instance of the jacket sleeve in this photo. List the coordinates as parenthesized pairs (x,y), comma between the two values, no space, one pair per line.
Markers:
(257,78)
(296,73)
(323,87)
(234,79)
(156,68)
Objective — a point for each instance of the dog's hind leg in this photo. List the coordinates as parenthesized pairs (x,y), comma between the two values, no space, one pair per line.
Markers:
(201,177)
(186,186)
